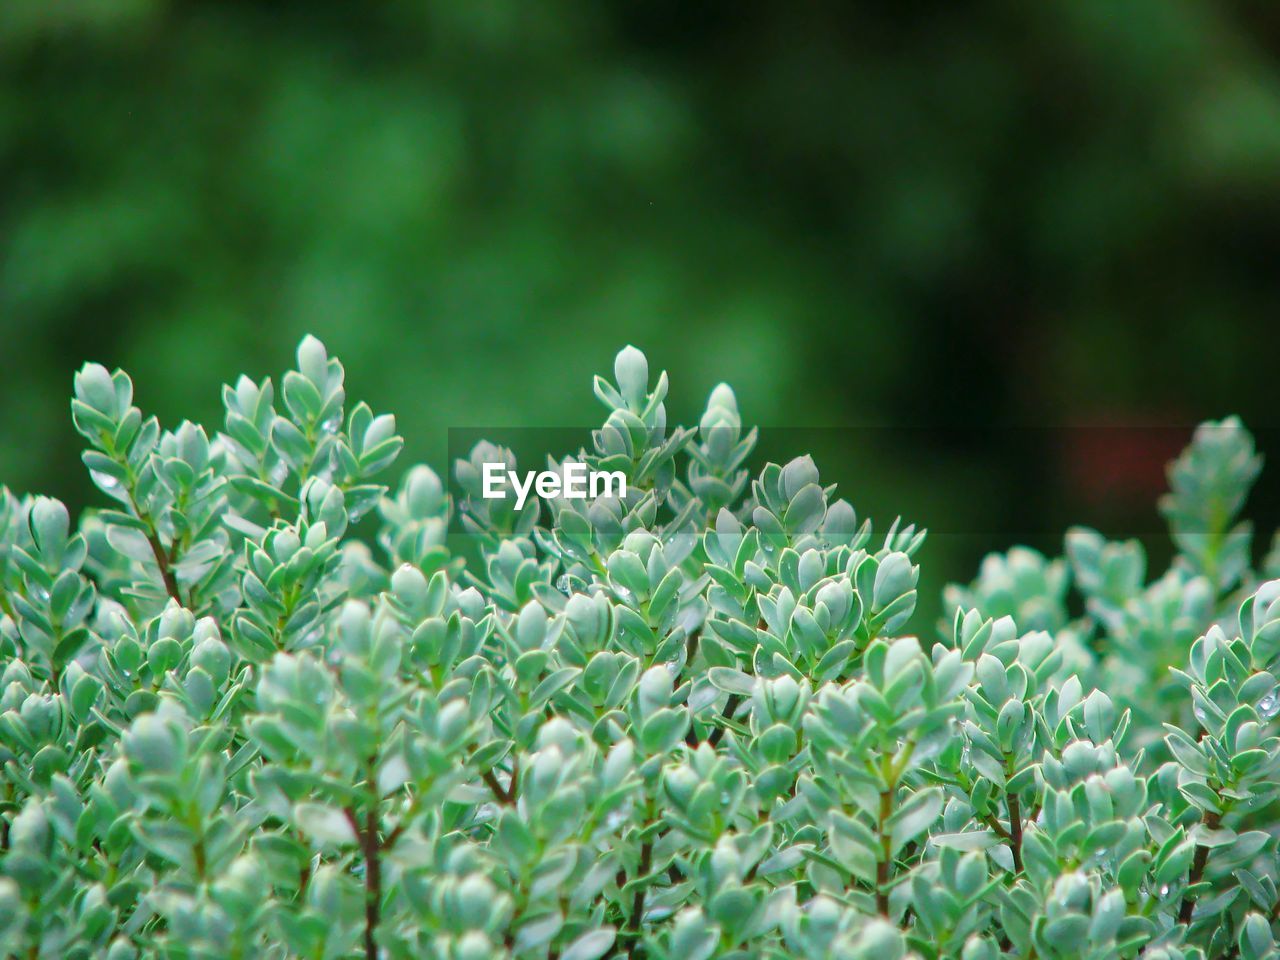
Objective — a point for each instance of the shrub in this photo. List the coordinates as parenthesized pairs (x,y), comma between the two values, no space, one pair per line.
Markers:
(685,723)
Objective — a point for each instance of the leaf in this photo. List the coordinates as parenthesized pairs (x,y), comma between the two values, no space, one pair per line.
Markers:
(553,684)
(915,816)
(393,774)
(806,510)
(589,946)
(968,840)
(730,680)
(131,543)
(325,824)
(538,931)
(853,845)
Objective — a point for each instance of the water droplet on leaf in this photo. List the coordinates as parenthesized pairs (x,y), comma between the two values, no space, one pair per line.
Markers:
(1269,705)
(104,481)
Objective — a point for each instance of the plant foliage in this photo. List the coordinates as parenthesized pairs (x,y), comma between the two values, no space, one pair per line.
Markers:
(686,723)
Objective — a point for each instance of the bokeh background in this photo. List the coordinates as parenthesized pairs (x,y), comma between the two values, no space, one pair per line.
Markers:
(1000,256)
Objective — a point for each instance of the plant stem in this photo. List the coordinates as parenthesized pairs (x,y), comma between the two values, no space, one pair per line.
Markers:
(637,902)
(202,865)
(730,707)
(372,884)
(1201,860)
(499,794)
(1015,831)
(997,827)
(162,561)
(504,796)
(157,548)
(691,649)
(198,853)
(886,847)
(367,838)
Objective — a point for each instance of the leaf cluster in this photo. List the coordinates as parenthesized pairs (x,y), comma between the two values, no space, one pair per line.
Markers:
(686,722)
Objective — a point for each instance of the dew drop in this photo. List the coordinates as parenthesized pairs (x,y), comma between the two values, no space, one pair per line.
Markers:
(331,425)
(562,583)
(104,481)
(1164,890)
(1269,705)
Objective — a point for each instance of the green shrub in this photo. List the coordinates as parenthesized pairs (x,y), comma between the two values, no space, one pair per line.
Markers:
(685,723)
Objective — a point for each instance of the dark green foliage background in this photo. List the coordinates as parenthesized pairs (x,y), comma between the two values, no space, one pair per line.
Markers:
(872,215)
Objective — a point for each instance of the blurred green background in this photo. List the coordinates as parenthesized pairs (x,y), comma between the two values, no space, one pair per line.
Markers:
(963,239)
